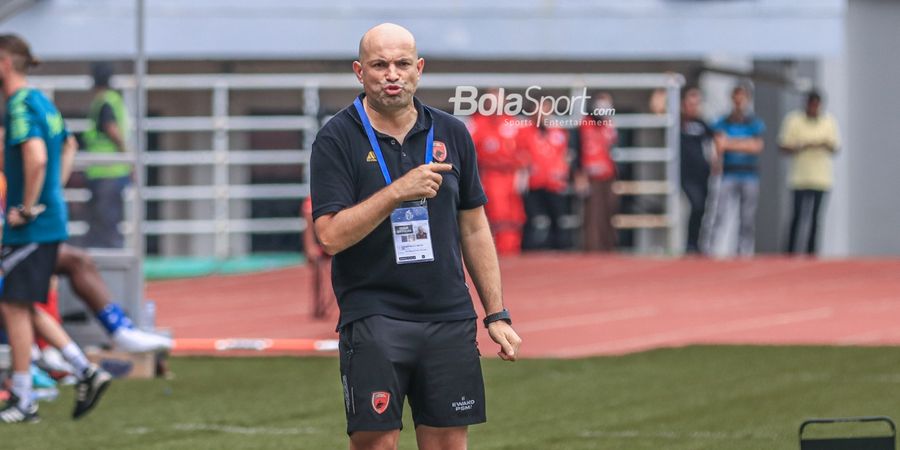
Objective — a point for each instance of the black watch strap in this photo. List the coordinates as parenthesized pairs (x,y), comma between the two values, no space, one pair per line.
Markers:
(502,315)
(25,213)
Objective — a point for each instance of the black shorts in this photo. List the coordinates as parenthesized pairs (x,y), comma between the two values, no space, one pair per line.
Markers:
(436,364)
(26,272)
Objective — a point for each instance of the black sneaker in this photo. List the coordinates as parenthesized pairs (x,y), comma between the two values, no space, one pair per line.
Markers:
(11,413)
(89,390)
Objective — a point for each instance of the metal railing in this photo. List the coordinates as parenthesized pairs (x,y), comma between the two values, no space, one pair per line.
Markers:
(221,157)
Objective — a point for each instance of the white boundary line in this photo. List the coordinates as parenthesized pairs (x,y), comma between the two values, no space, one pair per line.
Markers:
(661,339)
(227,429)
(586,319)
(679,435)
(880,336)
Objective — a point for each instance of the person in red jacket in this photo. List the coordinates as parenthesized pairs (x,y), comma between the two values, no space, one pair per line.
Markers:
(548,151)
(501,163)
(595,175)
(319,263)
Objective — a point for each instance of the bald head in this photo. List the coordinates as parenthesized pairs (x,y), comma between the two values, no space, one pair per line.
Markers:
(386,36)
(389,68)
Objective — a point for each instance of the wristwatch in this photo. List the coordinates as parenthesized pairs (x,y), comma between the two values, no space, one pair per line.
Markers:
(502,315)
(25,213)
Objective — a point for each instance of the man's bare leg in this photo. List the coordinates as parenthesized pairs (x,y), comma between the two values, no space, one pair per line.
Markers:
(85,279)
(374,440)
(17,318)
(49,329)
(451,438)
(92,380)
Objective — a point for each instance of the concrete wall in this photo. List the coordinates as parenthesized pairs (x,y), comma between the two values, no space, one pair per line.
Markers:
(473,29)
(873,65)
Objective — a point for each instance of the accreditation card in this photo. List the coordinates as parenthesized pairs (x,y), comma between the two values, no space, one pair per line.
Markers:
(412,235)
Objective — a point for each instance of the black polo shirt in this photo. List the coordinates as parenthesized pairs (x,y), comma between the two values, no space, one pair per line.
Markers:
(694,166)
(366,278)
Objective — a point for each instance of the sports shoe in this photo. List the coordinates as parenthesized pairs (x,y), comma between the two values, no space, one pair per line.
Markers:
(89,390)
(53,362)
(11,413)
(138,341)
(40,378)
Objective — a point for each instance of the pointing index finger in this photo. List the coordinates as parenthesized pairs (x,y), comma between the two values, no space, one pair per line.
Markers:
(440,167)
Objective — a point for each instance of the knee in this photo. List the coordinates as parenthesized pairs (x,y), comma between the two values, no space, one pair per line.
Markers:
(374,440)
(81,260)
(15,310)
(444,438)
(72,259)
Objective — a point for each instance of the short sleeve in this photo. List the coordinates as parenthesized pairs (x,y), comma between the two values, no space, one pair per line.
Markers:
(786,134)
(718,126)
(106,117)
(707,130)
(331,177)
(759,127)
(471,193)
(23,123)
(835,135)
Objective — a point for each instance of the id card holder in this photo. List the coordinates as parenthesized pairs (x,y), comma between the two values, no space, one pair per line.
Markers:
(412,234)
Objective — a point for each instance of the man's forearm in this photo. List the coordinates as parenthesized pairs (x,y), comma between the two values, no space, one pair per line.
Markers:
(829,145)
(744,145)
(349,226)
(480,257)
(112,130)
(34,168)
(788,148)
(68,159)
(34,183)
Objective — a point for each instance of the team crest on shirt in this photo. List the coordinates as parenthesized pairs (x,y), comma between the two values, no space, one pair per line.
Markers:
(439,152)
(371,157)
(380,401)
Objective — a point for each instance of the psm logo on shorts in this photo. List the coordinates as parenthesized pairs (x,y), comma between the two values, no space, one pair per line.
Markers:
(463,405)
(380,401)
(439,151)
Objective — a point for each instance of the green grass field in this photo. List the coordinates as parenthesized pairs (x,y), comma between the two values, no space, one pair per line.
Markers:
(693,398)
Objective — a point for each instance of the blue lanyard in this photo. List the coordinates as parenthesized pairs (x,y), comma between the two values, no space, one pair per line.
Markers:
(370,132)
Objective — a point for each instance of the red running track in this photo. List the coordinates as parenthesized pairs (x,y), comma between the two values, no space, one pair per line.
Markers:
(570,305)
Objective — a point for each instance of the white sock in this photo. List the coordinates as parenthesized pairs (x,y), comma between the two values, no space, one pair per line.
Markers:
(36,353)
(21,386)
(76,358)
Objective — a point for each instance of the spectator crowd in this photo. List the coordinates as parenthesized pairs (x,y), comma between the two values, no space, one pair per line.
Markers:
(552,185)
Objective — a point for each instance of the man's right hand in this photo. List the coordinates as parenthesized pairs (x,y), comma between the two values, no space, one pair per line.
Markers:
(422,182)
(502,333)
(15,218)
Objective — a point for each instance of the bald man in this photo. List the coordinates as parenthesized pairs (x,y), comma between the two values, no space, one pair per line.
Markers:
(398,202)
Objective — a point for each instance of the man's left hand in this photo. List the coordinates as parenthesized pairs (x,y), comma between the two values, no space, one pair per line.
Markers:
(503,334)
(15,218)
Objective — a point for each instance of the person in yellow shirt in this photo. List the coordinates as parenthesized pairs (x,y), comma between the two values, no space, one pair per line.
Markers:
(811,138)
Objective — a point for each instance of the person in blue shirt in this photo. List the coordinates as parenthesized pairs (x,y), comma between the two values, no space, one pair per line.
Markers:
(37,155)
(739,141)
